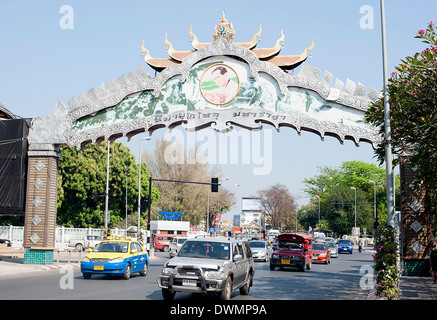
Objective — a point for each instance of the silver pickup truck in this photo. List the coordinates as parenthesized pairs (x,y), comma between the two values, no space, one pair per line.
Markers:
(209,265)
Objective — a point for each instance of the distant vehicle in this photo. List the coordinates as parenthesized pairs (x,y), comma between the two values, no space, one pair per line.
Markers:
(272,234)
(329,239)
(115,256)
(162,242)
(319,236)
(333,248)
(176,244)
(345,245)
(209,265)
(293,250)
(86,242)
(321,253)
(261,250)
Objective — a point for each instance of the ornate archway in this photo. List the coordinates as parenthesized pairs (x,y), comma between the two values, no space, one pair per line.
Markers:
(218,84)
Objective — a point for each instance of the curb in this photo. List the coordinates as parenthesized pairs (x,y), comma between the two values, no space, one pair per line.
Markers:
(59,266)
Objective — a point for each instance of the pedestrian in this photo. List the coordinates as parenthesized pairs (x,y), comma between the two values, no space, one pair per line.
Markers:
(433,261)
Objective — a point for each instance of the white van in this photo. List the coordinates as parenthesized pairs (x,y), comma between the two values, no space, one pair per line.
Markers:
(273,234)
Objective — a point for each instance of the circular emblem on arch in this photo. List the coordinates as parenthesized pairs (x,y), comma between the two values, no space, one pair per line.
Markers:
(219,84)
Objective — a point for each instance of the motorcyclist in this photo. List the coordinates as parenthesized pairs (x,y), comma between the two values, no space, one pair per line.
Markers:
(360,245)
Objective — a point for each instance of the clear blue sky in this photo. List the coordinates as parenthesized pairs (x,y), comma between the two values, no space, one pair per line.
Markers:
(41,63)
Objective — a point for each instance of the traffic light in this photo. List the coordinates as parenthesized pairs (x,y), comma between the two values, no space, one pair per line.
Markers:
(214,184)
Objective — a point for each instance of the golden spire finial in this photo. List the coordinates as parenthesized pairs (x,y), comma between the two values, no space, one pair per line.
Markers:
(223,18)
(224,29)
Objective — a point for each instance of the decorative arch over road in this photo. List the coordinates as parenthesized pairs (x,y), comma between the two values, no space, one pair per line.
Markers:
(218,84)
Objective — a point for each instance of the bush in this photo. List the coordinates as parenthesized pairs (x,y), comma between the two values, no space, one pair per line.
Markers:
(387,271)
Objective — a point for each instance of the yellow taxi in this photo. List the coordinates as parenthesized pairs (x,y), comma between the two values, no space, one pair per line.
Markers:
(116,255)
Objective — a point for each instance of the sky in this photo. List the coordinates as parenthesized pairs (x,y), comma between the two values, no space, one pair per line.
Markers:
(45,58)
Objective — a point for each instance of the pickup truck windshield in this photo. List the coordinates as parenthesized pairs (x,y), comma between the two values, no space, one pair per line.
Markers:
(204,249)
(287,245)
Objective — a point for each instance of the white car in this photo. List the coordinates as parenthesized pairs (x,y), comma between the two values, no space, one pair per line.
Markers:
(176,244)
(261,250)
(333,247)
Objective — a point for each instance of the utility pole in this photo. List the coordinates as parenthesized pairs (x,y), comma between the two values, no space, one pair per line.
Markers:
(387,128)
(107,188)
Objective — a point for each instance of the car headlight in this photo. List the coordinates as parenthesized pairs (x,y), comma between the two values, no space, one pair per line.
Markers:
(215,274)
(167,271)
(116,260)
(275,256)
(86,259)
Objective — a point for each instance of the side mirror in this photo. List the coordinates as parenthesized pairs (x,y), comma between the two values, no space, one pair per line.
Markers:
(134,251)
(89,250)
(238,257)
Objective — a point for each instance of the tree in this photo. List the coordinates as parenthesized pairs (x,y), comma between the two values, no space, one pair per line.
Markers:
(334,185)
(412,91)
(278,205)
(83,172)
(168,162)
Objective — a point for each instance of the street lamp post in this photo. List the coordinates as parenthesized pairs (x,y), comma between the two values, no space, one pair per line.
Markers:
(319,212)
(107,187)
(375,222)
(387,128)
(139,185)
(125,170)
(355,229)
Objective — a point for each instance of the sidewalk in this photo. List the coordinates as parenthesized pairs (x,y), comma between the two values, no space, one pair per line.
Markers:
(412,288)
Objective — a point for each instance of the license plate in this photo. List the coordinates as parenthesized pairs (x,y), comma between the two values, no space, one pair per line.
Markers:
(285,261)
(189,283)
(98,267)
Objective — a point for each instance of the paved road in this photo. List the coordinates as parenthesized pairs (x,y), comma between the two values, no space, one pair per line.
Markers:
(336,281)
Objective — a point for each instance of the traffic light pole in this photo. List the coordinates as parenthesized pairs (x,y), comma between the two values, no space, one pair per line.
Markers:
(149,236)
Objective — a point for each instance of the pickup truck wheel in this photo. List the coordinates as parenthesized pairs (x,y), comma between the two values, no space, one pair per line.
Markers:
(167,294)
(244,290)
(127,272)
(79,247)
(227,291)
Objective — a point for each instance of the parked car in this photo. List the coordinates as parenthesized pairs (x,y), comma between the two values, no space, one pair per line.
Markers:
(261,250)
(321,253)
(115,256)
(209,265)
(345,245)
(293,250)
(88,241)
(333,248)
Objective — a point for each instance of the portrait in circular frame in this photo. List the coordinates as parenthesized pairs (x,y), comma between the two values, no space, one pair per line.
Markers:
(219,84)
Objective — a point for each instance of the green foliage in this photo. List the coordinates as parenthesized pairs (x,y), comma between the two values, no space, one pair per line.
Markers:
(81,172)
(412,93)
(334,184)
(387,272)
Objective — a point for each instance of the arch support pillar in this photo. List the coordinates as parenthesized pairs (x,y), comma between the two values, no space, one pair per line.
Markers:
(41,203)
